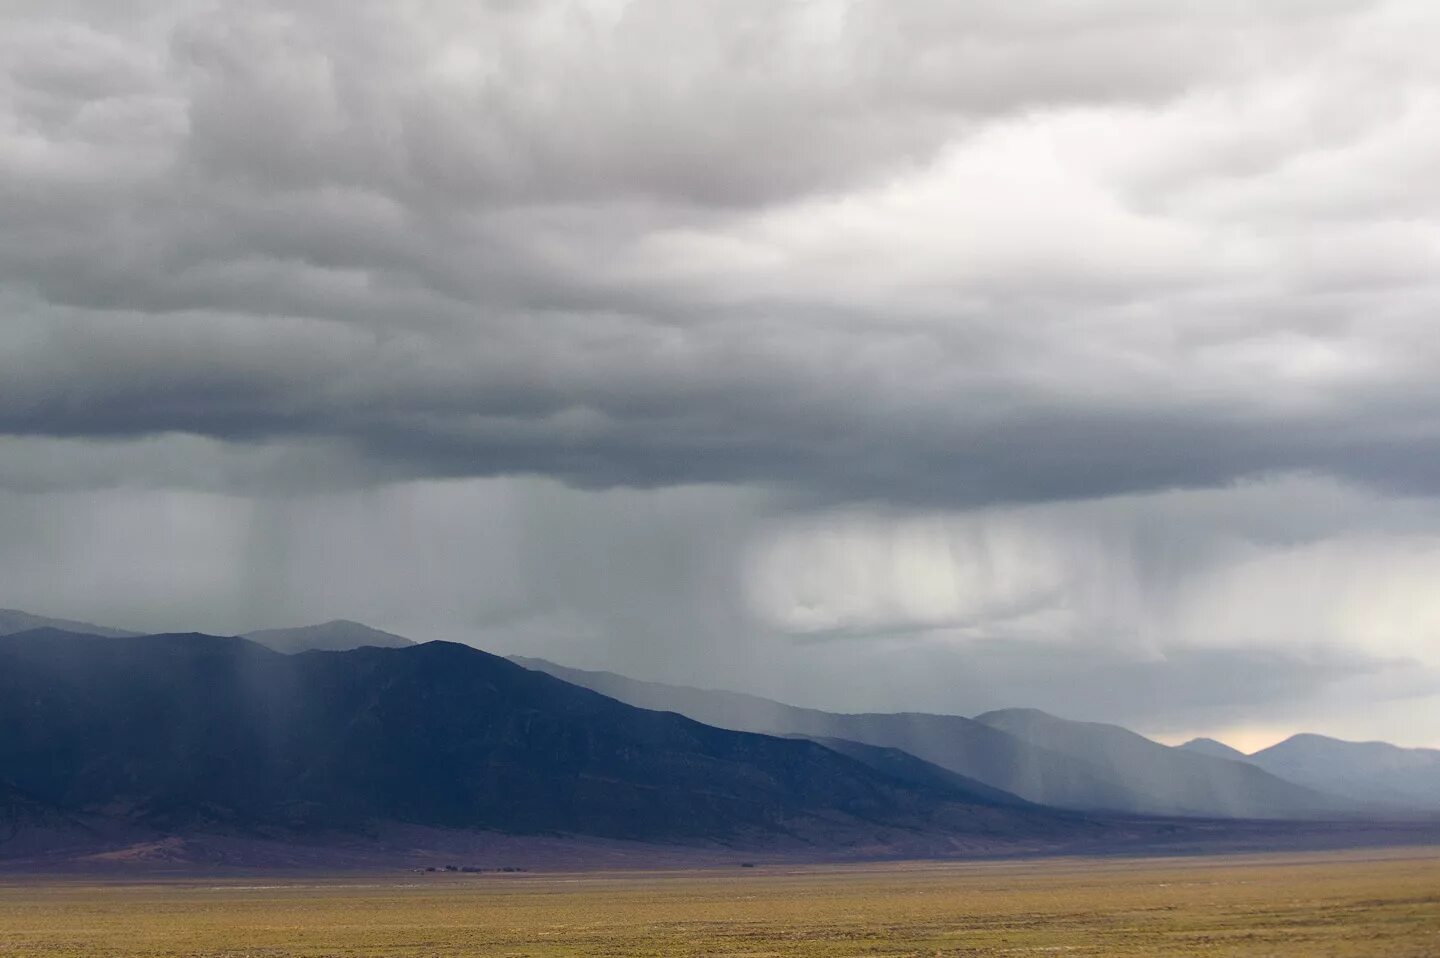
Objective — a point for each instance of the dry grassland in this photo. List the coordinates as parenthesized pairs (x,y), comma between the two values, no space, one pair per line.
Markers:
(1334,904)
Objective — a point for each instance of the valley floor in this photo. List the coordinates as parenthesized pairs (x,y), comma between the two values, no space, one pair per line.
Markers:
(1352,903)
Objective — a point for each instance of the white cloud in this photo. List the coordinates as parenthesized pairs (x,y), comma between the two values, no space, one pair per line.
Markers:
(1298,565)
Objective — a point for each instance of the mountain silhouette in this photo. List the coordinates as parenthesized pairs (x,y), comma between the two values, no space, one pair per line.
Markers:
(1364,771)
(1214,749)
(1166,780)
(960,745)
(13,621)
(1104,769)
(187,731)
(339,635)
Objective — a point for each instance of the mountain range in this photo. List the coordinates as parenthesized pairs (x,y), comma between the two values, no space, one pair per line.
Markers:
(1038,757)
(184,732)
(339,726)
(1099,766)
(1376,773)
(1166,780)
(338,635)
(13,620)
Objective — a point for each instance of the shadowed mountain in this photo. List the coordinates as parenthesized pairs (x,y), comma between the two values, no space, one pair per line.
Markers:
(340,635)
(919,773)
(17,809)
(29,826)
(1364,771)
(13,621)
(1167,780)
(956,744)
(1213,749)
(1063,764)
(184,732)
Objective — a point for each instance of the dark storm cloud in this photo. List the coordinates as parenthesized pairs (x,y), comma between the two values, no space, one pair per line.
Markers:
(646,245)
(609,414)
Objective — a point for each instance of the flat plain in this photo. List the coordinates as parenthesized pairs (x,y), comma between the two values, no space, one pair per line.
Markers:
(1313,904)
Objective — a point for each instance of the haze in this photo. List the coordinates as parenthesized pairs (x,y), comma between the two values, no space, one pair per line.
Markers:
(867,356)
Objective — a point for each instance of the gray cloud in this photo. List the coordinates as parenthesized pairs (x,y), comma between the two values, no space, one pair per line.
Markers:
(486,240)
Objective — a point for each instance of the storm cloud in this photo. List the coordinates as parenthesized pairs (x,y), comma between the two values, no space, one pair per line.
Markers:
(748,339)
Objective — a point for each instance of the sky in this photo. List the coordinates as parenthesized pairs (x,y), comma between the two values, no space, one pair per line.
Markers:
(891,355)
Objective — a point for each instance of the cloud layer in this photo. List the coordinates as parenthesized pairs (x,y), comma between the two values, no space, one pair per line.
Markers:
(867,250)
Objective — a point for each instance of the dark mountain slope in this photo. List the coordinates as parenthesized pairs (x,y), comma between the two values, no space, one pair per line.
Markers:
(922,774)
(1037,757)
(29,826)
(13,621)
(18,809)
(960,745)
(340,635)
(1365,771)
(183,732)
(1165,780)
(1214,749)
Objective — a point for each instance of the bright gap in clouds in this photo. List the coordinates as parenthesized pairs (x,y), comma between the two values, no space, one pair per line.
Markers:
(1277,564)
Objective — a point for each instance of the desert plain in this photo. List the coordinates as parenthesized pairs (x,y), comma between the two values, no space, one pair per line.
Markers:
(1335,903)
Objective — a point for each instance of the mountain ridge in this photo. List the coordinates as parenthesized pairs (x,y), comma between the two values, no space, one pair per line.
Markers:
(186,731)
(1172,780)
(336,635)
(1039,772)
(13,621)
(1364,771)
(1214,749)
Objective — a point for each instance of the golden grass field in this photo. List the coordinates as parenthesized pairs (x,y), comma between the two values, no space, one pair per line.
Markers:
(1384,903)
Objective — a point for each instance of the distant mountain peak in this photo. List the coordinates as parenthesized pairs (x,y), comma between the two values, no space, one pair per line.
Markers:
(1025,712)
(1327,743)
(1027,722)
(1373,771)
(13,621)
(1186,781)
(1316,738)
(337,635)
(1214,749)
